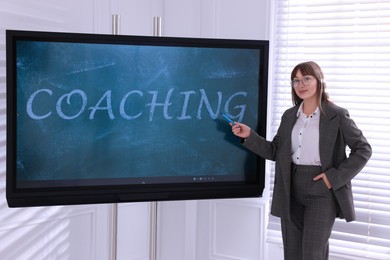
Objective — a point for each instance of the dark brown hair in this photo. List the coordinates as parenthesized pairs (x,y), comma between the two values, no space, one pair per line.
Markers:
(313,69)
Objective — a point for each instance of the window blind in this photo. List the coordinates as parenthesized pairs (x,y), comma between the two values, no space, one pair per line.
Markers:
(350,40)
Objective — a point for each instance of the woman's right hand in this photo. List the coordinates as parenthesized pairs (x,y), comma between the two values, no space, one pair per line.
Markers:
(241,130)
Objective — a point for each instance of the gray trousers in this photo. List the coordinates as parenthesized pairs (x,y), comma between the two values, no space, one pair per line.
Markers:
(313,213)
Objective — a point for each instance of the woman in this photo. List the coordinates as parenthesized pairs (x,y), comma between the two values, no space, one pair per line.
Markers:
(312,171)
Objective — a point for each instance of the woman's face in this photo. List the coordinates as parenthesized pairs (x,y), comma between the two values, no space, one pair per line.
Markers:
(305,86)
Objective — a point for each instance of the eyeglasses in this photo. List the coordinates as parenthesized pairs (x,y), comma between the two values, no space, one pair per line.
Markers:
(306,80)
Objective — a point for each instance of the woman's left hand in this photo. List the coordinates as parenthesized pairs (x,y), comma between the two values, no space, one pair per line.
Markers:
(324,178)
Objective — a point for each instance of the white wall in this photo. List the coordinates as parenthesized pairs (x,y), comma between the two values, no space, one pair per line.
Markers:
(189,230)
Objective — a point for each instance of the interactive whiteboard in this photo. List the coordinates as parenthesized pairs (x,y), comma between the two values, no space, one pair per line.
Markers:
(102,118)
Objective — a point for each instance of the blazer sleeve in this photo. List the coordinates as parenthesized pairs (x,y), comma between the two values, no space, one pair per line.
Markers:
(260,146)
(280,146)
(345,168)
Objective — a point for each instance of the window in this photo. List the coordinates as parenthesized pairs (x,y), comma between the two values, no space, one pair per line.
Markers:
(350,40)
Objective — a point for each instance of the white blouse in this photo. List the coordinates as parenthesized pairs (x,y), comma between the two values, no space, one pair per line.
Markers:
(305,139)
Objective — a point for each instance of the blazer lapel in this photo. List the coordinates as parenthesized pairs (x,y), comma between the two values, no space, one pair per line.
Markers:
(289,121)
(328,133)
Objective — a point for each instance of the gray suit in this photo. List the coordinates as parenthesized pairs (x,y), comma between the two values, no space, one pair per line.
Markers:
(337,130)
(308,211)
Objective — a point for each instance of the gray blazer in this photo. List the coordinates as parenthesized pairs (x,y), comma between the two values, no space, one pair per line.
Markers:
(337,130)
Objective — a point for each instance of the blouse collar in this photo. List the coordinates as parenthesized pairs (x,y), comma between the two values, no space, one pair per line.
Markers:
(300,111)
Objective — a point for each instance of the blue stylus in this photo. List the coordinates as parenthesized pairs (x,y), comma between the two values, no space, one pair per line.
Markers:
(227,118)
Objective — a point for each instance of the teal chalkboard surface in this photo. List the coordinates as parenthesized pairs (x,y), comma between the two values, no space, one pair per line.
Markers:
(114,111)
(95,118)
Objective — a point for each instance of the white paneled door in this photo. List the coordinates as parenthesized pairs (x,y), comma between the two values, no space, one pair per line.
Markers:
(60,232)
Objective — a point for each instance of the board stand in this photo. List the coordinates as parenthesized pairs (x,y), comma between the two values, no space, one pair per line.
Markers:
(153,205)
(153,209)
(114,232)
(153,231)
